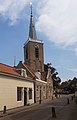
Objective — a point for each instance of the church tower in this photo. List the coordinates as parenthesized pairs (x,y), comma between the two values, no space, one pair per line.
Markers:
(33,49)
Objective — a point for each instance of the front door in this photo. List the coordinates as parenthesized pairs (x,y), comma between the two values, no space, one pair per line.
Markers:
(25,96)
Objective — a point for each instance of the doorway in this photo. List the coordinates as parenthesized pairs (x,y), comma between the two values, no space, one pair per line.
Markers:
(25,96)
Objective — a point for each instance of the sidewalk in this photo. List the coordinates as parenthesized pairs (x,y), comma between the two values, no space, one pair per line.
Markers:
(18,109)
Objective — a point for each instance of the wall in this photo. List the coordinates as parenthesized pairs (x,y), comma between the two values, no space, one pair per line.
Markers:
(35,64)
(49,84)
(40,90)
(8,92)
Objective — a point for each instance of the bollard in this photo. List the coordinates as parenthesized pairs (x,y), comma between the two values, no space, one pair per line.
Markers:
(68,101)
(53,112)
(39,101)
(71,97)
(4,110)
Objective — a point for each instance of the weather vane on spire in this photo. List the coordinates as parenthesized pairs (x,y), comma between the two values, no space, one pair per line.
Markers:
(31,7)
(31,3)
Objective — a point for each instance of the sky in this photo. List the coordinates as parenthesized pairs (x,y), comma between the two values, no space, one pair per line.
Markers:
(56,25)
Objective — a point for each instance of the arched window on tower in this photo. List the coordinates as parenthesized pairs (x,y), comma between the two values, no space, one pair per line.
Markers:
(26,54)
(36,52)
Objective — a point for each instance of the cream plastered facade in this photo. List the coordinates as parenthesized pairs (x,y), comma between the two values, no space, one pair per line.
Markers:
(8,91)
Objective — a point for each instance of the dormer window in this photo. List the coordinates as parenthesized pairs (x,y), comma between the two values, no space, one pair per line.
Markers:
(23,73)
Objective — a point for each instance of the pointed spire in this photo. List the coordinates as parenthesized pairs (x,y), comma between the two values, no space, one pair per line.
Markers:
(32,31)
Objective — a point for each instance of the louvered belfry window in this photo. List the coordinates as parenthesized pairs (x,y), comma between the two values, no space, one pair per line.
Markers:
(36,52)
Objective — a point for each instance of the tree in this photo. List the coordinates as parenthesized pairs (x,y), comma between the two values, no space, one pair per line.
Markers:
(54,73)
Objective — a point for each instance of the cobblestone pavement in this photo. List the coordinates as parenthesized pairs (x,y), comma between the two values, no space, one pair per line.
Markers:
(43,111)
(68,112)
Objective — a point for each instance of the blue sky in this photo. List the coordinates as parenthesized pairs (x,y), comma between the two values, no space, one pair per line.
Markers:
(56,25)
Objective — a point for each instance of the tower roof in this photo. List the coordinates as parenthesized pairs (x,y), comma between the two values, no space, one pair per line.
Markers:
(32,31)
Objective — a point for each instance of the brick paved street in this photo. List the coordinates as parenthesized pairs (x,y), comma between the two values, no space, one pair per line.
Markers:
(43,111)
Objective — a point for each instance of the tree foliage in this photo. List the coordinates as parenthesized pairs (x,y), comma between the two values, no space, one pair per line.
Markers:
(54,73)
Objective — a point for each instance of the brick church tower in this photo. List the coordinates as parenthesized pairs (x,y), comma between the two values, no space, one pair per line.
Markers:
(33,49)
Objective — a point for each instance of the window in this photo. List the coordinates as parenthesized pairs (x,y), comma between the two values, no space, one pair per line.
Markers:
(44,88)
(37,88)
(19,93)
(30,93)
(23,73)
(36,52)
(26,54)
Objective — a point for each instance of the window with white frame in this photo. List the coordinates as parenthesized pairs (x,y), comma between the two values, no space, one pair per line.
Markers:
(19,93)
(23,72)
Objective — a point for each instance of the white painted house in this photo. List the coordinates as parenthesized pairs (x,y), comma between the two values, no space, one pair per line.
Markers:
(15,89)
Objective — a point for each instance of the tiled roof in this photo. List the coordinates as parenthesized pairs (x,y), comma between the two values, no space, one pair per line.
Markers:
(8,69)
(33,72)
(24,66)
(30,69)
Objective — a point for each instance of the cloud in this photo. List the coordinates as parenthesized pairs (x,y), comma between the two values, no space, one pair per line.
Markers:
(58,20)
(75,50)
(12,9)
(74,70)
(67,72)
